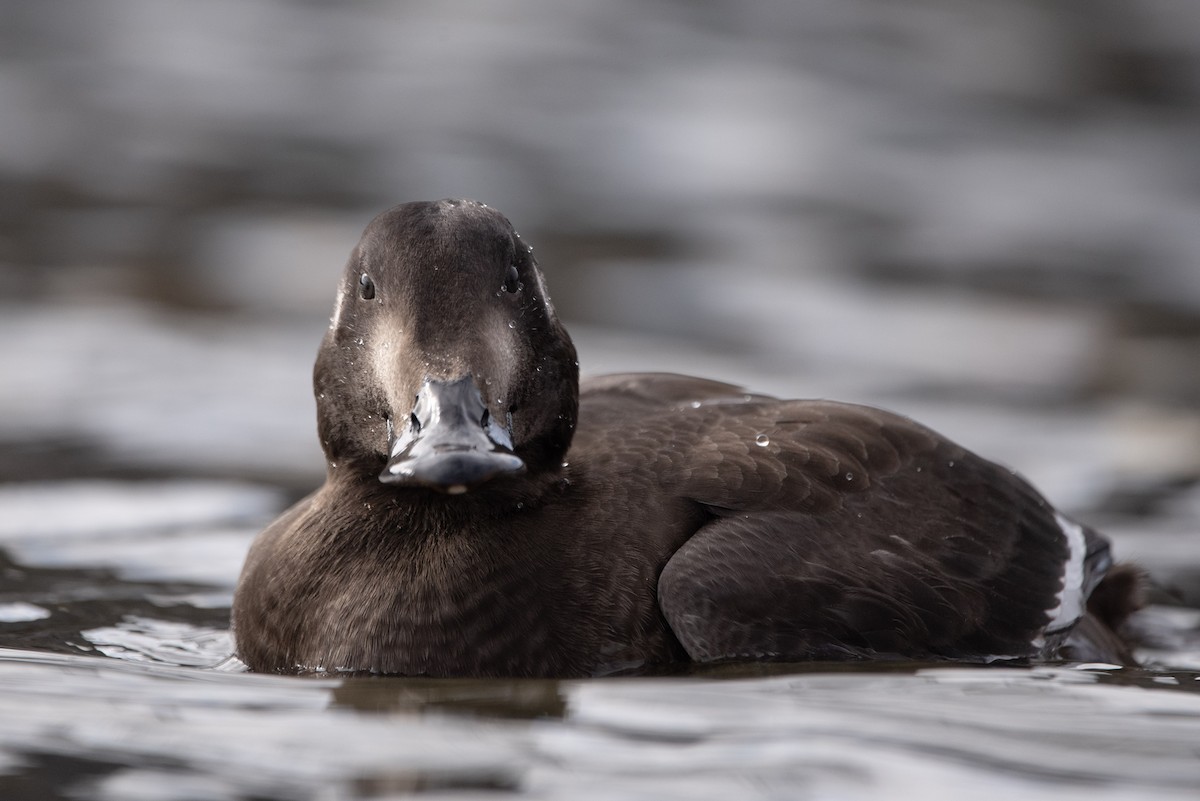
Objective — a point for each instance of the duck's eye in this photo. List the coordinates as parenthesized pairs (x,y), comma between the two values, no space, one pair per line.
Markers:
(512,281)
(366,287)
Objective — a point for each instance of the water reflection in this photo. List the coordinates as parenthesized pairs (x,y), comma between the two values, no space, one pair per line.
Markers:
(526,699)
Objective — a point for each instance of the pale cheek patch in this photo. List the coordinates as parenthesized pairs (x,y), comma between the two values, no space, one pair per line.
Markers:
(541,282)
(338,303)
(385,357)
(1071,599)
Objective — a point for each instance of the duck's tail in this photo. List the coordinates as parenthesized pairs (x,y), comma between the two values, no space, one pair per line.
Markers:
(1097,637)
(1118,595)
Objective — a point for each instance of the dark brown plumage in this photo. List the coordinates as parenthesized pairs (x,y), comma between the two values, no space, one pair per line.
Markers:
(485,515)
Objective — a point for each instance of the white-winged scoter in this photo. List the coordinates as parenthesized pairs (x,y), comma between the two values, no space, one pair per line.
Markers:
(485,513)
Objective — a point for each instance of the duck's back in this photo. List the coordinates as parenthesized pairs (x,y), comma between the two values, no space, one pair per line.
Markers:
(835,530)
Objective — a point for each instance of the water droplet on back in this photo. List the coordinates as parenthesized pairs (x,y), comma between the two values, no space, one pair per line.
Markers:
(762,440)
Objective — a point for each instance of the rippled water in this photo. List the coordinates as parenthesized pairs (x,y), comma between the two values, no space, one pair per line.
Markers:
(91,727)
(122,731)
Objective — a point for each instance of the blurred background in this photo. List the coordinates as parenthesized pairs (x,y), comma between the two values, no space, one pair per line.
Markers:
(983,214)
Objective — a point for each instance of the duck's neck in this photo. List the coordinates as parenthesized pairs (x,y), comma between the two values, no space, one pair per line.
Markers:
(431,511)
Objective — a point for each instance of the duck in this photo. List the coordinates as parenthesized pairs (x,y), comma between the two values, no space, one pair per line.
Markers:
(485,513)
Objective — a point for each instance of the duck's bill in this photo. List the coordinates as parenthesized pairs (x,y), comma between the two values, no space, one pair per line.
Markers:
(449,443)
(451,472)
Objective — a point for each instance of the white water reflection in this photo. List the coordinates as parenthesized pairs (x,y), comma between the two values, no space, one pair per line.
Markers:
(183,531)
(143,639)
(21,612)
(60,511)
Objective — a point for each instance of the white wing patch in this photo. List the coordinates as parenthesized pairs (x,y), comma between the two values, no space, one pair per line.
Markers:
(1071,598)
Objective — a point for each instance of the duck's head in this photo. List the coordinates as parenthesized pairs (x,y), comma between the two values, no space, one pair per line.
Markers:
(444,366)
